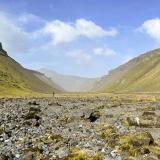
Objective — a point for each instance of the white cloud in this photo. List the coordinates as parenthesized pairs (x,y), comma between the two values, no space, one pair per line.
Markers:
(62,32)
(91,30)
(152,28)
(80,57)
(13,37)
(104,51)
(17,40)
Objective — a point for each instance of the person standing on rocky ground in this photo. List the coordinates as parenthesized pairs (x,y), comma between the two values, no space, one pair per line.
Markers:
(53,94)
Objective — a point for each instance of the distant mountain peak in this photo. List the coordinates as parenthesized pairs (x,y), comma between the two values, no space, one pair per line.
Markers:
(70,83)
(2,51)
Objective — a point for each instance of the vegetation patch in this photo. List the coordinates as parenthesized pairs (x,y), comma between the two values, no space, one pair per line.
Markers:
(85,154)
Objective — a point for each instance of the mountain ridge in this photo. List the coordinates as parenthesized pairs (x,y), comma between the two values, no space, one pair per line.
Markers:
(70,83)
(134,76)
(141,74)
(16,80)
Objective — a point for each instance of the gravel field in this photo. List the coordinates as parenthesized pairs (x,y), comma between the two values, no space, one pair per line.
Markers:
(79,128)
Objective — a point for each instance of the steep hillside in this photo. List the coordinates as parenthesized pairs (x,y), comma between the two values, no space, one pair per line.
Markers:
(47,80)
(142,74)
(14,79)
(70,83)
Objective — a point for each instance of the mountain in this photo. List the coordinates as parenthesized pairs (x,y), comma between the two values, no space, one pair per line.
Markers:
(47,80)
(141,74)
(15,79)
(70,83)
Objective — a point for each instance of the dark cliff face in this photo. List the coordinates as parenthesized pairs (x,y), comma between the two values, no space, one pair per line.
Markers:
(2,51)
(1,46)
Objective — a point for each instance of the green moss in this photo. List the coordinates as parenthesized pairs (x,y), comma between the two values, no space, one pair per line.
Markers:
(127,146)
(146,108)
(49,138)
(136,144)
(111,136)
(77,154)
(155,149)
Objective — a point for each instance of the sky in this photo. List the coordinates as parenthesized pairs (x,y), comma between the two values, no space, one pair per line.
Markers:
(78,37)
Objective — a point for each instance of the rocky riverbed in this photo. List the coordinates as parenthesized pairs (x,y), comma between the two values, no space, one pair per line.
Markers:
(79,128)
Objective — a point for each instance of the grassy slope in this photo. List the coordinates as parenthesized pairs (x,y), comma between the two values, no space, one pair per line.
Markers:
(143,75)
(16,80)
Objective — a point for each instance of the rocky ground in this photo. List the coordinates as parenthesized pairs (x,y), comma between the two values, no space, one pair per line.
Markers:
(79,128)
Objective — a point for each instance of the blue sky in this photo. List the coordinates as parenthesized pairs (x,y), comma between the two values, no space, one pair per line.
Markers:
(78,37)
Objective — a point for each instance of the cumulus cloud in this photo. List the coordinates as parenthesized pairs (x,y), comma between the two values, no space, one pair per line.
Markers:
(152,28)
(104,51)
(80,57)
(91,30)
(17,37)
(62,32)
(13,37)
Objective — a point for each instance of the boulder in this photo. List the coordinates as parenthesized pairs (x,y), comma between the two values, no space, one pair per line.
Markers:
(131,121)
(142,138)
(94,116)
(149,113)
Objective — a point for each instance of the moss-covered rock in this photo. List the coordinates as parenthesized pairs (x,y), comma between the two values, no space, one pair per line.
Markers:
(149,113)
(32,153)
(142,138)
(136,144)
